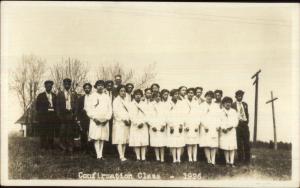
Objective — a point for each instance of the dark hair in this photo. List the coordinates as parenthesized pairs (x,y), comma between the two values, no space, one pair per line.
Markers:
(48,82)
(108,82)
(227,99)
(138,91)
(173,91)
(191,89)
(181,88)
(163,91)
(99,82)
(155,84)
(67,80)
(196,88)
(218,91)
(239,92)
(120,87)
(209,93)
(87,84)
(129,85)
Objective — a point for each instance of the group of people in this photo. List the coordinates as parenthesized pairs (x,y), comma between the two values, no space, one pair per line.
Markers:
(157,118)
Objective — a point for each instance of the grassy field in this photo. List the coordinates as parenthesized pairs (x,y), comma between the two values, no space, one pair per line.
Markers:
(27,161)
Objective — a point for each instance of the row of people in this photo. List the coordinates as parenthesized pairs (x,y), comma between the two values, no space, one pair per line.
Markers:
(156,118)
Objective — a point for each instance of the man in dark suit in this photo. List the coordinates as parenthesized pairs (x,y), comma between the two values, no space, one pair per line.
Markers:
(82,119)
(242,130)
(66,109)
(47,118)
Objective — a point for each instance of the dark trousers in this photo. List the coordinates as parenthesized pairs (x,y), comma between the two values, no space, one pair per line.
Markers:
(243,142)
(85,144)
(67,131)
(47,126)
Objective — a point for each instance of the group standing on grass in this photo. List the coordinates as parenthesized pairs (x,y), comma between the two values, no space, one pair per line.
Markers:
(154,118)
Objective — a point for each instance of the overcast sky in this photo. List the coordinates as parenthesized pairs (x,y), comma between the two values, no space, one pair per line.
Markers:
(213,46)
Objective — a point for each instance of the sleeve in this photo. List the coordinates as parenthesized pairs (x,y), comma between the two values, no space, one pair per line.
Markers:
(118,111)
(109,108)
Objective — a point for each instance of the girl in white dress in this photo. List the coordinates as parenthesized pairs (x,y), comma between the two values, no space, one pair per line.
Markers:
(192,125)
(121,122)
(229,121)
(175,127)
(210,124)
(139,135)
(100,112)
(158,129)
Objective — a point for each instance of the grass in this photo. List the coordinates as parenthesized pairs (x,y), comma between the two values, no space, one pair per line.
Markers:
(27,161)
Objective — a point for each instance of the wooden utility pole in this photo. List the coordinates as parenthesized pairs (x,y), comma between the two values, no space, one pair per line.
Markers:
(273,113)
(256,76)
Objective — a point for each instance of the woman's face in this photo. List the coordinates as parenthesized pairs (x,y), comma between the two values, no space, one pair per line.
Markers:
(183,91)
(122,92)
(190,95)
(100,88)
(155,89)
(175,96)
(137,97)
(198,92)
(227,105)
(165,96)
(208,99)
(148,94)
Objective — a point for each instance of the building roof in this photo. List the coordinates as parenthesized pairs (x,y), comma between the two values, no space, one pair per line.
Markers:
(30,115)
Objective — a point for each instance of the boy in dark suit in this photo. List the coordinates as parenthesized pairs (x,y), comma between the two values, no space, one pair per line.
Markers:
(66,110)
(48,122)
(82,119)
(242,130)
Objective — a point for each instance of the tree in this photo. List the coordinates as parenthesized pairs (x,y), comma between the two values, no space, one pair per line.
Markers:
(74,69)
(27,79)
(142,80)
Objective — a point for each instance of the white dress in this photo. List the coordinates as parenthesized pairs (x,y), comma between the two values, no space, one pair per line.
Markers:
(229,118)
(192,121)
(158,120)
(120,132)
(175,119)
(209,118)
(99,108)
(138,136)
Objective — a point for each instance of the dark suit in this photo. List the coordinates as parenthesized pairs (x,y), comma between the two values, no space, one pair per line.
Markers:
(243,136)
(47,119)
(67,118)
(84,123)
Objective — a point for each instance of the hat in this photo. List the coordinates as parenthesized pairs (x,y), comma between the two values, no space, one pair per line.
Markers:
(67,80)
(226,100)
(209,93)
(138,91)
(239,92)
(48,82)
(87,84)
(99,82)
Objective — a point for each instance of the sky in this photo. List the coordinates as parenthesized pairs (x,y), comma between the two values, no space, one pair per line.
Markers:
(216,46)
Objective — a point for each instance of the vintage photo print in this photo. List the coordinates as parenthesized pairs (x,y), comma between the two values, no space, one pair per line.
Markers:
(150,94)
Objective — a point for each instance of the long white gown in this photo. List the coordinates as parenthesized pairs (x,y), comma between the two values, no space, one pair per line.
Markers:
(229,118)
(138,136)
(210,118)
(120,132)
(191,112)
(159,121)
(99,108)
(175,119)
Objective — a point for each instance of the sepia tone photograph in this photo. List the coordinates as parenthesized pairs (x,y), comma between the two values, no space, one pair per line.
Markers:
(150,94)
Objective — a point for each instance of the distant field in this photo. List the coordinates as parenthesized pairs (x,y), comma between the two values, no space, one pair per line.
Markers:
(27,161)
